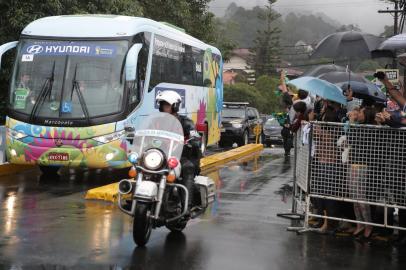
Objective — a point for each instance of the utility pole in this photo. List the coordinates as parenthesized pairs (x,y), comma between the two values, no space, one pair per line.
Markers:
(398,12)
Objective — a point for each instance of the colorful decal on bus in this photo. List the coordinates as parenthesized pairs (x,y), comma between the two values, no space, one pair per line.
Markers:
(65,146)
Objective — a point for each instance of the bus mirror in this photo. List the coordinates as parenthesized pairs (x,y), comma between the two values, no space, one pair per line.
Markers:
(131,62)
(5,47)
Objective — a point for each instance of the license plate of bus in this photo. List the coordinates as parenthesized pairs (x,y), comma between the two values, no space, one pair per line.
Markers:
(58,157)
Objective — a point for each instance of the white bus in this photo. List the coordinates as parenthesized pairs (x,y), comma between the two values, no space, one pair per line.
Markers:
(80,80)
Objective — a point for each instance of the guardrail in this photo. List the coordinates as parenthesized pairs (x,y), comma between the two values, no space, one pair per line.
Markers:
(360,165)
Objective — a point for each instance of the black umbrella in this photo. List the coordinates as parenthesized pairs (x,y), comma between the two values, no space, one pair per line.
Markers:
(364,90)
(316,71)
(351,45)
(397,42)
(388,47)
(342,76)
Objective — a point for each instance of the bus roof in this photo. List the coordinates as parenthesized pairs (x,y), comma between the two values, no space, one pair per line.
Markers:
(104,26)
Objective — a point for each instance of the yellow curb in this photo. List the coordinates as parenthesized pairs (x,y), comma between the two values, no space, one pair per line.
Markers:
(110,192)
(7,169)
(225,157)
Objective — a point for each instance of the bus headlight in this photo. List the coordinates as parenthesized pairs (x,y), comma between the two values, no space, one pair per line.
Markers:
(16,134)
(153,159)
(110,137)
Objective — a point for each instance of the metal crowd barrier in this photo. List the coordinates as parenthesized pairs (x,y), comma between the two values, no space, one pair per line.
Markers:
(361,165)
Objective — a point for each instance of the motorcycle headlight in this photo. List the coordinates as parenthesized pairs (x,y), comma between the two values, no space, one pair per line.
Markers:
(16,134)
(110,137)
(153,159)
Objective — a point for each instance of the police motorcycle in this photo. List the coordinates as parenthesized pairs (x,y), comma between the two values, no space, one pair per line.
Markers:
(154,195)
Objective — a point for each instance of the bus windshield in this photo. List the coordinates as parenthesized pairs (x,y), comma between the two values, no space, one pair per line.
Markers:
(68,79)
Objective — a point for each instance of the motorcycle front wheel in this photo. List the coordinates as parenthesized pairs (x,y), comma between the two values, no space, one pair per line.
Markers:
(142,225)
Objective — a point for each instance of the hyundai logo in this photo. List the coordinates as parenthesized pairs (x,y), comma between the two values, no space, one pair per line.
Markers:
(34,49)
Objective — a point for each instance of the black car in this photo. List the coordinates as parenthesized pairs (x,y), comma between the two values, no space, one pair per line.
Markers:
(239,122)
(272,132)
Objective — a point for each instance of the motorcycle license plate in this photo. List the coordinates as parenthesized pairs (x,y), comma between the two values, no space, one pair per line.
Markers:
(58,157)
(222,130)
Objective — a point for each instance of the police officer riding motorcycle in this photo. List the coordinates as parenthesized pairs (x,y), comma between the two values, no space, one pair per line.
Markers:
(169,102)
(163,191)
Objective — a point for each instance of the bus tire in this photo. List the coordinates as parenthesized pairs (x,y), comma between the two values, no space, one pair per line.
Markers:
(49,170)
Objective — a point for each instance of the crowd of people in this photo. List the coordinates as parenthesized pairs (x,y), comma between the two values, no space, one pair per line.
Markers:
(360,165)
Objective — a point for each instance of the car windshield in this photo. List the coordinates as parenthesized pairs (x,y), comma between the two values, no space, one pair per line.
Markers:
(67,78)
(271,122)
(233,113)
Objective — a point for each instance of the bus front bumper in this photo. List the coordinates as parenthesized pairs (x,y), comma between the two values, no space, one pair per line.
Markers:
(112,154)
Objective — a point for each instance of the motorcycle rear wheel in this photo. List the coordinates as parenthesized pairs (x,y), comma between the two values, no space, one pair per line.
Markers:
(142,225)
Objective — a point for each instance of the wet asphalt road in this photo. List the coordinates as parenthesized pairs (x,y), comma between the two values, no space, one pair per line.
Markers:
(47,224)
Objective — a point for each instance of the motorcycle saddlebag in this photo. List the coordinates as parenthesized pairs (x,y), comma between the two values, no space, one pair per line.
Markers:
(206,188)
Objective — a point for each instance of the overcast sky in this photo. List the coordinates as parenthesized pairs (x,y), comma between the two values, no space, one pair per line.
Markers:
(361,12)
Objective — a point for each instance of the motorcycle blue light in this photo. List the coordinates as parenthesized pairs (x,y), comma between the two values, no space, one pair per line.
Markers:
(133,158)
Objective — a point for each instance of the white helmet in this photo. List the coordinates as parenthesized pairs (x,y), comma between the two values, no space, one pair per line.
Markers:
(171,97)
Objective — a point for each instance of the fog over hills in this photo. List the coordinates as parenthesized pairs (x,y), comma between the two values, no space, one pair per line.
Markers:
(364,13)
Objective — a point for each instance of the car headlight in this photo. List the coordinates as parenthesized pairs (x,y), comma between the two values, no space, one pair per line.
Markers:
(110,137)
(237,125)
(153,159)
(16,134)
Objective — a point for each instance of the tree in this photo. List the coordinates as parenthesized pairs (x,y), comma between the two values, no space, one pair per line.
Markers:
(267,86)
(266,45)
(349,27)
(191,15)
(222,42)
(242,92)
(388,31)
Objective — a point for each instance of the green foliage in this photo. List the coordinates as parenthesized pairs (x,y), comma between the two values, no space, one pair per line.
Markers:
(224,44)
(260,96)
(240,78)
(388,31)
(369,65)
(191,15)
(267,86)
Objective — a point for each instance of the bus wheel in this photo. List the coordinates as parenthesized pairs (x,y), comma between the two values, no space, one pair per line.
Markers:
(49,170)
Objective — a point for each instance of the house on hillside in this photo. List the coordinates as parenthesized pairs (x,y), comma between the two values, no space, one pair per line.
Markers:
(238,65)
(303,47)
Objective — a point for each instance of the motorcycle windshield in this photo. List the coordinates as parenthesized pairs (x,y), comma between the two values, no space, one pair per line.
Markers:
(161,131)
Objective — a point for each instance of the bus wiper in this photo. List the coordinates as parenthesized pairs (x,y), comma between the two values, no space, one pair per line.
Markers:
(45,91)
(75,87)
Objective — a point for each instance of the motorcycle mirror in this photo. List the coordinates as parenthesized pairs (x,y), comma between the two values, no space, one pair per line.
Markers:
(129,129)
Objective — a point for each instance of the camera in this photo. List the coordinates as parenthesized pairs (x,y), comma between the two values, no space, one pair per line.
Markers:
(380,75)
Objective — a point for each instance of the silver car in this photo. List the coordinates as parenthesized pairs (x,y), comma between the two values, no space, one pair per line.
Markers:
(272,132)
